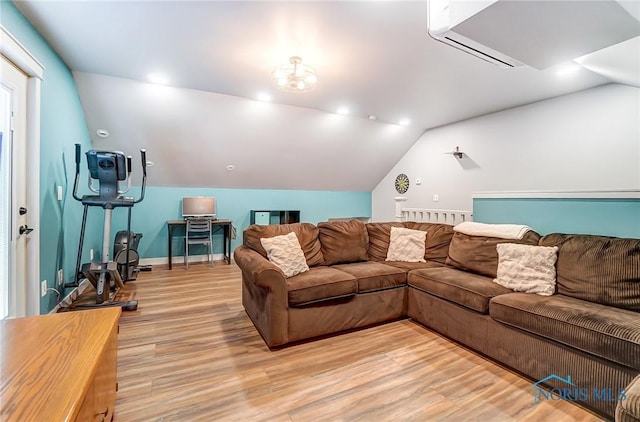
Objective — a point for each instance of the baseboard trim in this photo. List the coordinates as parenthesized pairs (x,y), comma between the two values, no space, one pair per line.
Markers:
(73,295)
(85,284)
(179,259)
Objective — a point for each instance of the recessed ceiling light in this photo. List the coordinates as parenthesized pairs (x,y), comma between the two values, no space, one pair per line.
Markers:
(103,133)
(263,96)
(150,163)
(568,69)
(343,110)
(157,78)
(404,122)
(372,117)
(231,167)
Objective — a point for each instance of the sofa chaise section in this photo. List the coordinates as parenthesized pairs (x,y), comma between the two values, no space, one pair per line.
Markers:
(589,329)
(531,355)
(605,331)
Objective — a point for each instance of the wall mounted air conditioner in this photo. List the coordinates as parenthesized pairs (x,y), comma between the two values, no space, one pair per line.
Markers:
(444,15)
(534,33)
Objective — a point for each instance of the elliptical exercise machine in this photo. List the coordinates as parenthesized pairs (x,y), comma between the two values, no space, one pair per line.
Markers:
(110,169)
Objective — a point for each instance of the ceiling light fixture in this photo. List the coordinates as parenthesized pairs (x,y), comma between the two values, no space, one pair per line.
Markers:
(372,117)
(103,133)
(404,122)
(263,96)
(343,110)
(295,76)
(157,78)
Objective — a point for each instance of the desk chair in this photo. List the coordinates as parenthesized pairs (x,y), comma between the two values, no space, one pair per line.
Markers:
(198,232)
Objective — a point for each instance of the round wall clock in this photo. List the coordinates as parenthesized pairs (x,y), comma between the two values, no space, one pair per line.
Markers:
(402,183)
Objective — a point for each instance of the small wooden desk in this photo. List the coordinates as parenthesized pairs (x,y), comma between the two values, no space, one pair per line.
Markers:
(59,367)
(225,224)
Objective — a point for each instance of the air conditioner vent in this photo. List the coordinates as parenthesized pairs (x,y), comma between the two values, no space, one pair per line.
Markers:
(539,34)
(481,54)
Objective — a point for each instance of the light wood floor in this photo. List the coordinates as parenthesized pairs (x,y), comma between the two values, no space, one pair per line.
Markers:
(190,353)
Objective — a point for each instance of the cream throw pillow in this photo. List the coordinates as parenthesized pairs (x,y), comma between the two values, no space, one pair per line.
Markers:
(285,252)
(527,268)
(406,245)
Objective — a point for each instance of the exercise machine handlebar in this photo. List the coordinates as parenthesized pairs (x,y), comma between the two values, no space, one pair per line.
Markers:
(143,158)
(75,183)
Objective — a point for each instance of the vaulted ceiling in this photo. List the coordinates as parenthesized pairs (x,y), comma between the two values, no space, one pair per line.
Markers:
(373,57)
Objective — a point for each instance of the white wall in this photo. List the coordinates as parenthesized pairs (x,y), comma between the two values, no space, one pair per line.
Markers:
(192,136)
(588,140)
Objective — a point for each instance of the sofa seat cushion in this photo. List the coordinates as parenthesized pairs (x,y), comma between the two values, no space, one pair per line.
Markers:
(467,289)
(320,284)
(409,266)
(604,331)
(374,276)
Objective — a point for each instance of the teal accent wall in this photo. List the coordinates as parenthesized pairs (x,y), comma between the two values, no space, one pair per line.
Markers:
(62,125)
(610,217)
(163,203)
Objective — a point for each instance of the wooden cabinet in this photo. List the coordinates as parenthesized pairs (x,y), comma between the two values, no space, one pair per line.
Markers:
(59,367)
(267,217)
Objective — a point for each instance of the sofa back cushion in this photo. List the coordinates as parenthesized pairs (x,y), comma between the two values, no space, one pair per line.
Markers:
(436,244)
(438,239)
(598,269)
(478,254)
(343,241)
(379,238)
(307,236)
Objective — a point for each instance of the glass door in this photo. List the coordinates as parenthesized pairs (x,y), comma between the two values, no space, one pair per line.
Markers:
(5,202)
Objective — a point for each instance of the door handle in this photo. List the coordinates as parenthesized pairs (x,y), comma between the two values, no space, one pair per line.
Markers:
(25,229)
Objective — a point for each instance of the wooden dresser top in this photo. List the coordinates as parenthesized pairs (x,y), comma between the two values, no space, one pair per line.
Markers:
(47,362)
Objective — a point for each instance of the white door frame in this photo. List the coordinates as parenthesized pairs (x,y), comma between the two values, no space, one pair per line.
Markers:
(13,50)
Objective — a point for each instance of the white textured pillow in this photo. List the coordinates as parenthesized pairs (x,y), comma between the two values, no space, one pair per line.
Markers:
(406,245)
(527,268)
(285,252)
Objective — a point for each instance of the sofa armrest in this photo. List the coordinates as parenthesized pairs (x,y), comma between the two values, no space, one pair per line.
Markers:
(264,295)
(259,269)
(628,410)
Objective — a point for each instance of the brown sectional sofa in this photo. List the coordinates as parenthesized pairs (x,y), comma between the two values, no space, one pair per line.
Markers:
(589,329)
